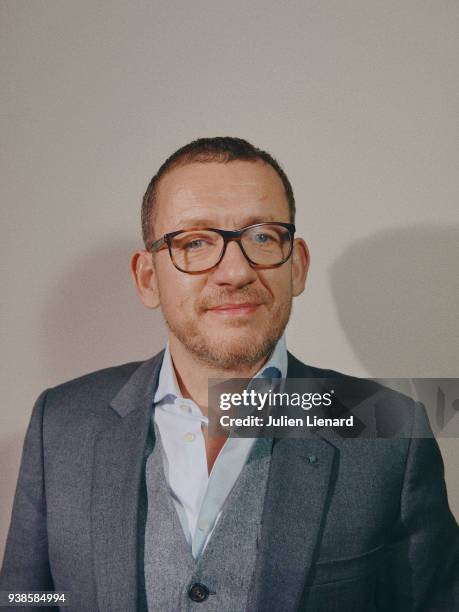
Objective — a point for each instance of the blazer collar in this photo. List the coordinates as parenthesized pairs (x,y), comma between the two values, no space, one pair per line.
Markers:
(140,388)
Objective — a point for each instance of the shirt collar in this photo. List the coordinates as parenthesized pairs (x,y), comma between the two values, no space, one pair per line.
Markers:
(277,360)
(168,385)
(167,382)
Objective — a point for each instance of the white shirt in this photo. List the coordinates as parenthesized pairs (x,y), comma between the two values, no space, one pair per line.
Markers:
(197,495)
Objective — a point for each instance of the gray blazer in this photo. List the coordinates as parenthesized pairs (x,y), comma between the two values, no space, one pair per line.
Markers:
(366,527)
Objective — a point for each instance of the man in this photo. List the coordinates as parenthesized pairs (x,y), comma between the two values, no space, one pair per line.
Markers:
(125,501)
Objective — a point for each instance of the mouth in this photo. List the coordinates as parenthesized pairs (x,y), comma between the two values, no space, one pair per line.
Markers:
(245,308)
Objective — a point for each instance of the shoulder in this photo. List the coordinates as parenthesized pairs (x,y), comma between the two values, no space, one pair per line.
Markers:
(384,411)
(93,392)
(298,369)
(99,383)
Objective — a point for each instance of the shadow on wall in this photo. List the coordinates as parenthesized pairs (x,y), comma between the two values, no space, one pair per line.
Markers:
(94,319)
(397,296)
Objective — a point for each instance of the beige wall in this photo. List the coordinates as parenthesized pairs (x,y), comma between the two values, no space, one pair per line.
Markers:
(358,101)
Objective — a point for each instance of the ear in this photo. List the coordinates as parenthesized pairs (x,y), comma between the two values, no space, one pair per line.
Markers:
(300,265)
(144,274)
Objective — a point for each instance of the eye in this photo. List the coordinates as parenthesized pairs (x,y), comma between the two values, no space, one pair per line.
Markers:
(195,241)
(192,245)
(261,238)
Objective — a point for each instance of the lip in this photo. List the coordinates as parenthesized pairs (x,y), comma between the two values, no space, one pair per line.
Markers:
(235,309)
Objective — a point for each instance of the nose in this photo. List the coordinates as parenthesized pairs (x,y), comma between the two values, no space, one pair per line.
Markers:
(234,269)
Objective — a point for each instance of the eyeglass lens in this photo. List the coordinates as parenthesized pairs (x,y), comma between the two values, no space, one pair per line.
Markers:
(197,250)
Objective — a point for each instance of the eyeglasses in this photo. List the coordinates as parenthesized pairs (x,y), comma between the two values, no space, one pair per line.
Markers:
(195,250)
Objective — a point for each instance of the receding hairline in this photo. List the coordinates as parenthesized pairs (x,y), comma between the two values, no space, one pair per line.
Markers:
(192,162)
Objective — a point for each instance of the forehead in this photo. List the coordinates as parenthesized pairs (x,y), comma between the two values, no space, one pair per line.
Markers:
(226,195)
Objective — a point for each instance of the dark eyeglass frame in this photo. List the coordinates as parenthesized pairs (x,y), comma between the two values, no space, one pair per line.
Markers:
(228,236)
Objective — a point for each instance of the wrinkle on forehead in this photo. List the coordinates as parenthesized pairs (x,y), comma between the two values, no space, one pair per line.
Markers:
(182,189)
(199,216)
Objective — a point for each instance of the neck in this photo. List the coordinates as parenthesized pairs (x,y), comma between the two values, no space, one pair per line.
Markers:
(193,375)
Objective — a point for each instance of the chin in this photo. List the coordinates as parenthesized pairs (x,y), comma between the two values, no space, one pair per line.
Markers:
(234,338)
(236,349)
(233,344)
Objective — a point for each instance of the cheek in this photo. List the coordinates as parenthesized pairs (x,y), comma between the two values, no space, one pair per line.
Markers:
(279,284)
(177,291)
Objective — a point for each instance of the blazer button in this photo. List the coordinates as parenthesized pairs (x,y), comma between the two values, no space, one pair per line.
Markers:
(198,592)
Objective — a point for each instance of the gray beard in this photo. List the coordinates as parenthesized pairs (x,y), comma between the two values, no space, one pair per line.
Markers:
(219,357)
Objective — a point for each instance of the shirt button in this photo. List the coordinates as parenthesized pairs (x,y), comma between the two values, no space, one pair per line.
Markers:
(203,525)
(184,408)
(189,437)
(198,592)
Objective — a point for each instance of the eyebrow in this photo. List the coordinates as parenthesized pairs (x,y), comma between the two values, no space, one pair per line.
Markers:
(206,222)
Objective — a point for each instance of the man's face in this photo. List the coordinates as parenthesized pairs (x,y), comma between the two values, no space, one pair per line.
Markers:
(232,315)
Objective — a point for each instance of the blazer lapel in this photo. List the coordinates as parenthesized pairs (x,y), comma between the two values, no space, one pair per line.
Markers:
(300,486)
(119,457)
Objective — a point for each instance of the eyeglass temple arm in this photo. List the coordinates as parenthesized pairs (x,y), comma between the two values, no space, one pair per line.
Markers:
(157,244)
